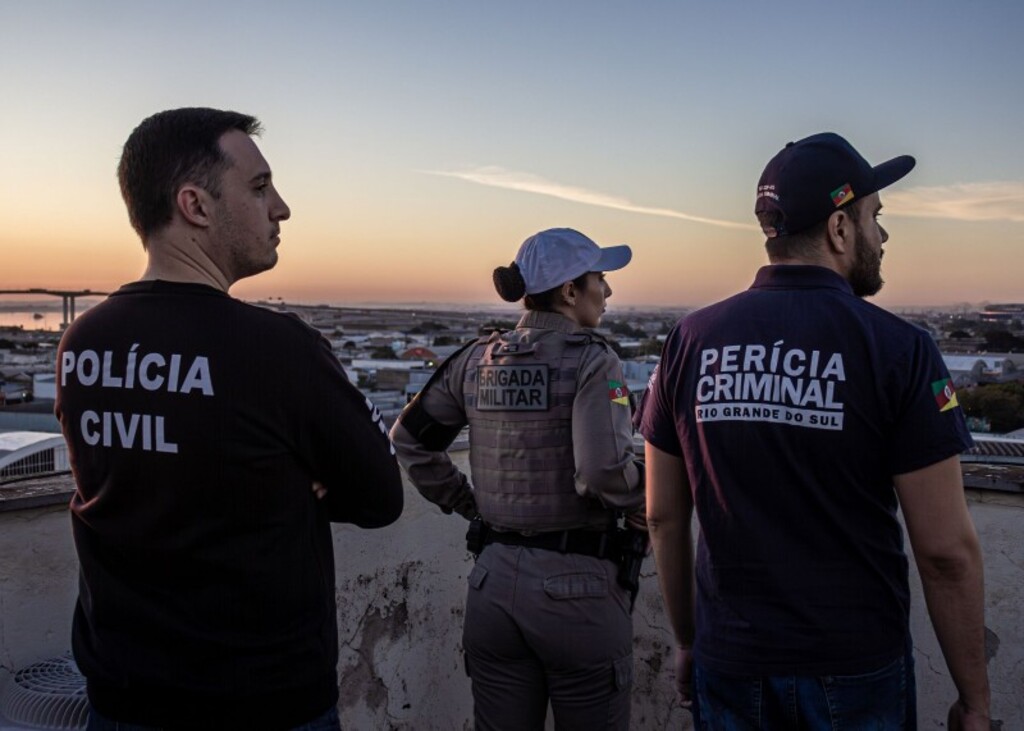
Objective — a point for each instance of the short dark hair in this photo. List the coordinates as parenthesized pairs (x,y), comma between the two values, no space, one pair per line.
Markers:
(511,287)
(802,243)
(166,151)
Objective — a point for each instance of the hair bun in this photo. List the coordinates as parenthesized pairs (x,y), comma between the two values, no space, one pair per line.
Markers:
(509,282)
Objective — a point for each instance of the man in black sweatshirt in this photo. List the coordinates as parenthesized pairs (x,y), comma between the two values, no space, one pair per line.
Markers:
(203,432)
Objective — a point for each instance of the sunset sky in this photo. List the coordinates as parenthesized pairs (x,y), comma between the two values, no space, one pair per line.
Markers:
(419,142)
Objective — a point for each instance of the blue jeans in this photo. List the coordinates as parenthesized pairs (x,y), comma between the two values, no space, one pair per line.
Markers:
(881,700)
(327,722)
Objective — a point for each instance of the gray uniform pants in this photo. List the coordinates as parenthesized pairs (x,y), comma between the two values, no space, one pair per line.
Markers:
(542,625)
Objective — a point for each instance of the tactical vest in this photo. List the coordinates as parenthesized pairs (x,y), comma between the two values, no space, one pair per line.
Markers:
(518,394)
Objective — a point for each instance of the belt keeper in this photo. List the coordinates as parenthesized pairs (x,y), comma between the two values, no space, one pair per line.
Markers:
(563,544)
(602,545)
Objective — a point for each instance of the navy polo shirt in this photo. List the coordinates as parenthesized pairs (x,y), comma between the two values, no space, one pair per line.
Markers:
(793,404)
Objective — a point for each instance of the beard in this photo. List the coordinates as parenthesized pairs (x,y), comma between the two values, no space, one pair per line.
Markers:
(244,250)
(866,275)
(249,263)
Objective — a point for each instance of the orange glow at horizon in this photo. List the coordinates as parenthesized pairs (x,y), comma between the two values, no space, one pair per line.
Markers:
(409,260)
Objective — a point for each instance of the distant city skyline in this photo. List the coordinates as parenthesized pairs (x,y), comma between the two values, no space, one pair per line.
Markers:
(48,315)
(418,143)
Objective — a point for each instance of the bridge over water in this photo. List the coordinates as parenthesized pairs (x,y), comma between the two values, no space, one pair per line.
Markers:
(68,296)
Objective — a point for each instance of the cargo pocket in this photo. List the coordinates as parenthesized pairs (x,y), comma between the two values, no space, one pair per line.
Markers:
(477,576)
(576,586)
(623,668)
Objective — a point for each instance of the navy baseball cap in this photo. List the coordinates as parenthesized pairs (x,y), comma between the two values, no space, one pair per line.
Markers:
(811,178)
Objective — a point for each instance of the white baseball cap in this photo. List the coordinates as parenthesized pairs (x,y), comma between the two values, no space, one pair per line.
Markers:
(558,255)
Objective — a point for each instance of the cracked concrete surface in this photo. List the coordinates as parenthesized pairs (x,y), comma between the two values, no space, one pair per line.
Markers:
(999,519)
(400,626)
(38,582)
(385,618)
(400,594)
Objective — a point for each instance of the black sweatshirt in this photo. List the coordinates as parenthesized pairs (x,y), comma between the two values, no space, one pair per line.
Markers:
(196,425)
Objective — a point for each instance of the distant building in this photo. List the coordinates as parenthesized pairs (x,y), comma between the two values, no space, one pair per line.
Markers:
(24,453)
(383,374)
(638,372)
(349,342)
(628,345)
(443,352)
(392,379)
(367,365)
(961,344)
(15,392)
(417,380)
(1002,313)
(419,352)
(389,403)
(972,370)
(992,449)
(44,386)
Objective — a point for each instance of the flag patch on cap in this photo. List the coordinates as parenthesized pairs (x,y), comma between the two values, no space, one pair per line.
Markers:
(618,392)
(945,396)
(842,195)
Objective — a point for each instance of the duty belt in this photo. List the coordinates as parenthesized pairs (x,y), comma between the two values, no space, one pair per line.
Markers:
(599,544)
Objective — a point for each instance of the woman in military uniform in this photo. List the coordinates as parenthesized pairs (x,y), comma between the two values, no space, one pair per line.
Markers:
(553,466)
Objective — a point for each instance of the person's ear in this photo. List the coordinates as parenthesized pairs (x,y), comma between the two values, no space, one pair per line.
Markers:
(840,232)
(194,204)
(569,293)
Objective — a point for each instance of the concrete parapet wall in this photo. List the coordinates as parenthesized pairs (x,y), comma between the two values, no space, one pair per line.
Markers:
(38,585)
(400,607)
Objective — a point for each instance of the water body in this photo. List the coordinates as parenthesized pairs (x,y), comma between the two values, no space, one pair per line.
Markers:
(28,320)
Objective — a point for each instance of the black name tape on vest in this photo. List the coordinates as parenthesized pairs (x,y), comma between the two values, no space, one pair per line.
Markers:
(512,388)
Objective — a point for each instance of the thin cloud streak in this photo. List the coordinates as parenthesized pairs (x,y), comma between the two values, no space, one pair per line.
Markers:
(986,201)
(983,201)
(497,177)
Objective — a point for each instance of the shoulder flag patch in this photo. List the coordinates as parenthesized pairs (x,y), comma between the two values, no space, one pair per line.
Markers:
(618,392)
(945,396)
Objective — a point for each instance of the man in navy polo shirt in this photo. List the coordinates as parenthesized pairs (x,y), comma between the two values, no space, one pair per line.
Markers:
(794,417)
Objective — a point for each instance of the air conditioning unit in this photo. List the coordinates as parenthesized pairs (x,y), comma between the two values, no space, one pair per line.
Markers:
(47,695)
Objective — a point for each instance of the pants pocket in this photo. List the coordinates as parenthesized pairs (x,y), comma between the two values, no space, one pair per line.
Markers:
(880,696)
(477,575)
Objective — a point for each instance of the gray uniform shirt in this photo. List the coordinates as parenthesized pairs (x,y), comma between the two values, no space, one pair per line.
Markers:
(607,469)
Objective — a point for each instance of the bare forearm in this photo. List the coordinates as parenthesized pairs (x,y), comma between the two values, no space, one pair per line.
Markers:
(673,554)
(949,559)
(669,514)
(954,592)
